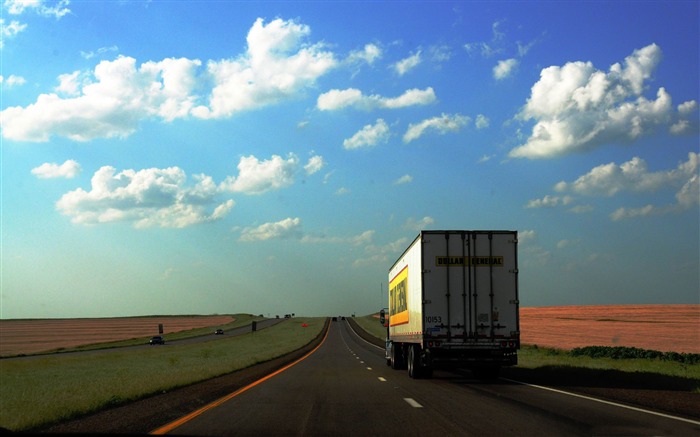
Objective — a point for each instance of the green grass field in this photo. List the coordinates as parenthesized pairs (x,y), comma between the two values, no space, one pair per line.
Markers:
(47,389)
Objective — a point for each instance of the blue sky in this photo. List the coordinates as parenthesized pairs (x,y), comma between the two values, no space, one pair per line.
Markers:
(197,157)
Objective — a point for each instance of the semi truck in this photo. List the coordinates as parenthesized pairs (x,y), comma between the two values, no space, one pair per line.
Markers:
(453,303)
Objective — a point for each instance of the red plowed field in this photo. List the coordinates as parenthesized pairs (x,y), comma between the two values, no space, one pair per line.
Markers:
(666,328)
(37,335)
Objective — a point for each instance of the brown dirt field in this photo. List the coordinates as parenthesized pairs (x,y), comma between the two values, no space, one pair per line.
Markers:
(28,336)
(665,328)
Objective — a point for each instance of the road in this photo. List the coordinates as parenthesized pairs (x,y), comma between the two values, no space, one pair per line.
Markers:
(345,388)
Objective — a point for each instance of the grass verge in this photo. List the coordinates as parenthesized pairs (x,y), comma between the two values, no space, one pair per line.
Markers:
(680,375)
(49,389)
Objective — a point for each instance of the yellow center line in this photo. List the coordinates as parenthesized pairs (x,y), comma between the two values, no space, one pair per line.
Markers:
(172,425)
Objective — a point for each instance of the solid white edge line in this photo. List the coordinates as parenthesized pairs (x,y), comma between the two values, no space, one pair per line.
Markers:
(642,410)
(412,403)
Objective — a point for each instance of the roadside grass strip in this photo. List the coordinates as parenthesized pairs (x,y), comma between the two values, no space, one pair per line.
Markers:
(40,391)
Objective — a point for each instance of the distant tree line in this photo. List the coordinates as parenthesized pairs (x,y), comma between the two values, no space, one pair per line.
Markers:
(622,352)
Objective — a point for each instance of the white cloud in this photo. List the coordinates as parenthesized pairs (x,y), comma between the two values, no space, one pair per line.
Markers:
(442,124)
(405,179)
(405,65)
(110,106)
(12,81)
(314,165)
(69,84)
(351,97)
(482,122)
(368,136)
(276,67)
(369,54)
(289,228)
(58,10)
(504,68)
(356,240)
(688,197)
(118,95)
(149,197)
(9,31)
(577,108)
(68,170)
(257,177)
(100,51)
(526,236)
(581,209)
(337,99)
(631,176)
(549,202)
(418,225)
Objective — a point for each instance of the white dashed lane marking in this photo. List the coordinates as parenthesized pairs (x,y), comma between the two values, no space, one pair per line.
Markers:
(412,403)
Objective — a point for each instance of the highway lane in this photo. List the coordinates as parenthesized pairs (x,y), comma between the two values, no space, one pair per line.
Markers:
(345,388)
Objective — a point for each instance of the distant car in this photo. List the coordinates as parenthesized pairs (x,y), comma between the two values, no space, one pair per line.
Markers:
(219,332)
(158,339)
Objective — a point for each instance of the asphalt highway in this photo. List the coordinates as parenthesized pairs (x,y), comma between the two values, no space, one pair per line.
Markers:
(345,388)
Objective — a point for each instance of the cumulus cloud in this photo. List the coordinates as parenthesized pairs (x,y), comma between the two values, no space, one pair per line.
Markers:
(405,179)
(289,228)
(315,164)
(634,176)
(351,97)
(549,202)
(688,197)
(369,136)
(442,124)
(47,170)
(110,106)
(149,197)
(12,81)
(482,121)
(257,177)
(369,54)
(163,197)
(407,64)
(577,108)
(113,99)
(364,237)
(631,176)
(56,10)
(526,236)
(9,30)
(412,224)
(276,66)
(505,68)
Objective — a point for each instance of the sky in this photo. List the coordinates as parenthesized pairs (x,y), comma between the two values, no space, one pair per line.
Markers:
(221,157)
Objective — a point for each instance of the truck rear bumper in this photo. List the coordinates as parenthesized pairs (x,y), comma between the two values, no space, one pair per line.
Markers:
(473,357)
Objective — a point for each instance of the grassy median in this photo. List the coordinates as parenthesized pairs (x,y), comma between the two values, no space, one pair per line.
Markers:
(52,388)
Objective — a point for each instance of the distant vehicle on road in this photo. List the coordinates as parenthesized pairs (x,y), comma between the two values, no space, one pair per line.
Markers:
(158,339)
(219,332)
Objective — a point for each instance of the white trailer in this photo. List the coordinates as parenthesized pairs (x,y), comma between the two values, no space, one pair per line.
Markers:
(453,302)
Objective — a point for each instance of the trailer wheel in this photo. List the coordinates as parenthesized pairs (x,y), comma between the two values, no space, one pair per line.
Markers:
(396,357)
(414,368)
